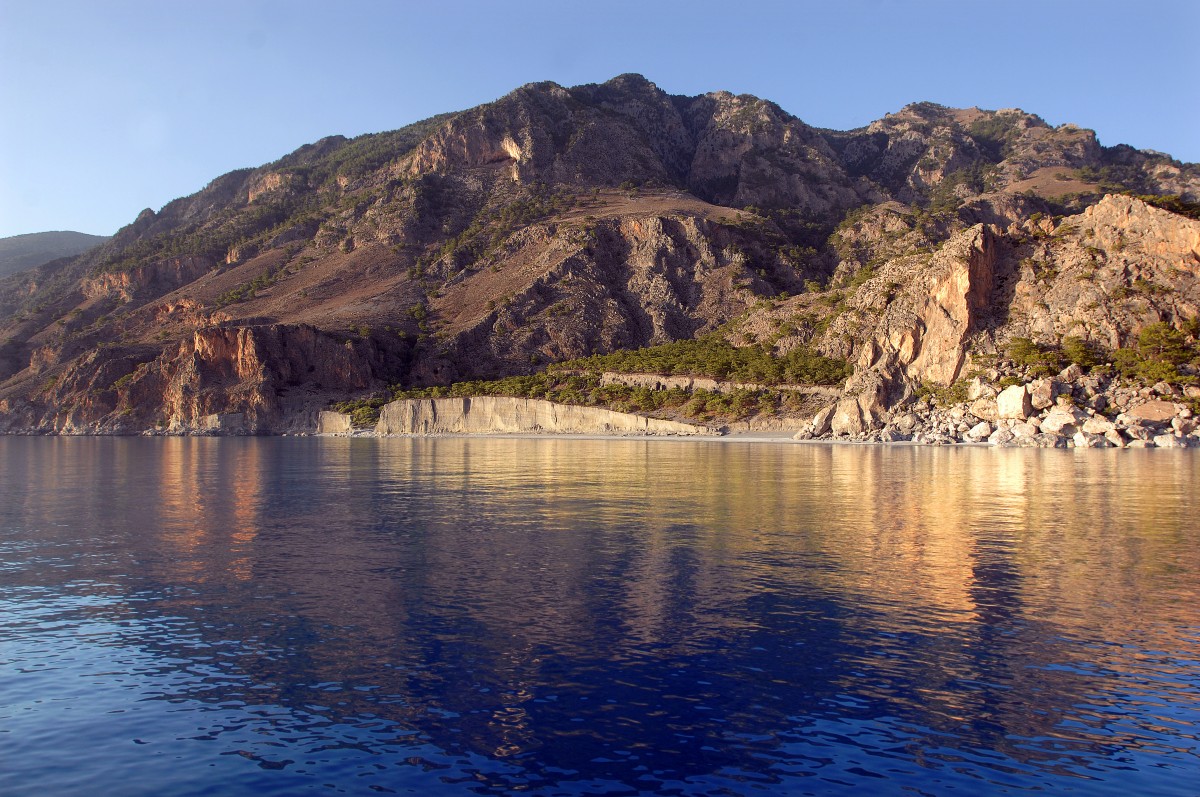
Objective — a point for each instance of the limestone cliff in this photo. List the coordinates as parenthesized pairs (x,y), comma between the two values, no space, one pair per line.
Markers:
(492,415)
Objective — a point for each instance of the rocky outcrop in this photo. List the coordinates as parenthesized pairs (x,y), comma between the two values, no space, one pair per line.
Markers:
(334,423)
(144,281)
(500,415)
(925,331)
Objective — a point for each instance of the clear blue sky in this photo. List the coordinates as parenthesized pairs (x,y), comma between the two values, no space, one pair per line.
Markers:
(110,107)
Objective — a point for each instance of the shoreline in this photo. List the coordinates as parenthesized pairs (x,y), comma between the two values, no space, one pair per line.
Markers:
(745,438)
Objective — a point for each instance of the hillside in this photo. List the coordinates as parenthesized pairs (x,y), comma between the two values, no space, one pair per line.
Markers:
(21,252)
(557,224)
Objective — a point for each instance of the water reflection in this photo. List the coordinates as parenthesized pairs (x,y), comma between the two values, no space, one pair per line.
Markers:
(580,616)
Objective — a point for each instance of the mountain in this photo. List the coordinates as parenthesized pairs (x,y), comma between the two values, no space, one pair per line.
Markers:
(564,223)
(21,252)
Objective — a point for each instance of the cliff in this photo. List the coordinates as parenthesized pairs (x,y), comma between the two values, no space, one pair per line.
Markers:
(492,415)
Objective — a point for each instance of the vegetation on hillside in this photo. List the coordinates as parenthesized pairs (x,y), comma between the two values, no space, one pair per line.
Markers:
(714,356)
(578,382)
(1157,355)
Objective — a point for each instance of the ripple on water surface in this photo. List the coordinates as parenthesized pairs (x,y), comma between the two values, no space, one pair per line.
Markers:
(587,617)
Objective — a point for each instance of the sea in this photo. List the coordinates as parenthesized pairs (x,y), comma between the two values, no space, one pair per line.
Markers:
(557,616)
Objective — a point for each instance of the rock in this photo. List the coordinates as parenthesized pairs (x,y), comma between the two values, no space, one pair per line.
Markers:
(1183,426)
(1165,389)
(1001,437)
(1071,373)
(1047,440)
(1062,421)
(1153,411)
(984,408)
(1115,438)
(847,418)
(978,432)
(905,424)
(1098,424)
(891,434)
(1169,441)
(978,389)
(1138,431)
(493,414)
(334,423)
(821,421)
(1086,440)
(1013,402)
(1192,391)
(1042,393)
(1024,431)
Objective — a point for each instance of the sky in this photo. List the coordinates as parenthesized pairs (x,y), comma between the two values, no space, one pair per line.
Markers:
(110,107)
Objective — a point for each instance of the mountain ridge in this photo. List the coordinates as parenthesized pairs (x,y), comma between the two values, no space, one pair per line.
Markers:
(30,250)
(556,223)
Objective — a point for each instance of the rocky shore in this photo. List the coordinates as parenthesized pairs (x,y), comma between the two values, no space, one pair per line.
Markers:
(1070,410)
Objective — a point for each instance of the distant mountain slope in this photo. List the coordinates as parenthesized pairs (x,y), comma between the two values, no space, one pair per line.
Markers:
(557,223)
(21,252)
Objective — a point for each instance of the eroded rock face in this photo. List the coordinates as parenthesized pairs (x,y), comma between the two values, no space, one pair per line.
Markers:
(493,415)
(334,423)
(146,280)
(922,336)
(224,380)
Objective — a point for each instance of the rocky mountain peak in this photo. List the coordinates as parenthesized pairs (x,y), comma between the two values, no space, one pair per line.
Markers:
(557,223)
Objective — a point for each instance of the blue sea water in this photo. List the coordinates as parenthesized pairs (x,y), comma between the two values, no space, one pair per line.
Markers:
(493,616)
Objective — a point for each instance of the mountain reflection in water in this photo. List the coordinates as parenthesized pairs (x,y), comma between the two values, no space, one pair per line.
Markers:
(560,616)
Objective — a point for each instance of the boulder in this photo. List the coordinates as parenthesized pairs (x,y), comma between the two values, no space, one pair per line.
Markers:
(848,418)
(1062,421)
(1098,424)
(1087,440)
(1047,440)
(1013,402)
(984,408)
(1024,431)
(821,421)
(891,434)
(978,389)
(1116,438)
(1169,441)
(978,432)
(1071,374)
(1157,411)
(1001,437)
(1138,431)
(1042,393)
(1183,425)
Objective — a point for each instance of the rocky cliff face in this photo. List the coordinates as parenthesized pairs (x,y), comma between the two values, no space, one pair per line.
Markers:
(493,415)
(561,222)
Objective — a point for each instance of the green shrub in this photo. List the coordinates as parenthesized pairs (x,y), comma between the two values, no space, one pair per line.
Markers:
(1042,360)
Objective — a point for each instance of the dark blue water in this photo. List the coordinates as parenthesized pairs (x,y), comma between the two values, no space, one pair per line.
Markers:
(568,617)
